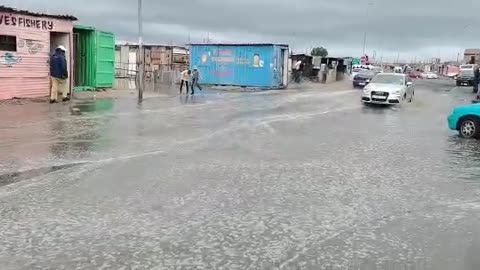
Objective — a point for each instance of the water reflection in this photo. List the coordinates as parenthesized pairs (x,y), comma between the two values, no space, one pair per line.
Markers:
(464,158)
(379,108)
(98,105)
(44,135)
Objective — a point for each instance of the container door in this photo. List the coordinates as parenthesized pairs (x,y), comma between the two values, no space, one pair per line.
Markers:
(105,60)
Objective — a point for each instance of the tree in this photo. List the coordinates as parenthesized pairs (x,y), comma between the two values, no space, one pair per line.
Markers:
(319,51)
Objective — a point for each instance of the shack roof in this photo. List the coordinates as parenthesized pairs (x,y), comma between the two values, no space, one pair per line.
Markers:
(148,45)
(472,51)
(237,44)
(33,14)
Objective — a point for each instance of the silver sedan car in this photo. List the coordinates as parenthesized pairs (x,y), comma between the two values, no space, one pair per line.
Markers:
(388,88)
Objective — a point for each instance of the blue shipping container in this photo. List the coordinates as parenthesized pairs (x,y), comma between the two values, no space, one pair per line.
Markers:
(251,65)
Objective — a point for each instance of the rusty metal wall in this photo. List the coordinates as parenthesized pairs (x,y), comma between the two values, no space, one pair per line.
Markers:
(162,65)
(161,58)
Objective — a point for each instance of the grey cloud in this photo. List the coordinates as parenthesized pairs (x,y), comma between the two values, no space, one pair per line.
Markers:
(407,27)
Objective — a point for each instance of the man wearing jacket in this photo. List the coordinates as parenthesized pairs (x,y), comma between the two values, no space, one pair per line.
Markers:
(58,74)
(195,78)
(476,79)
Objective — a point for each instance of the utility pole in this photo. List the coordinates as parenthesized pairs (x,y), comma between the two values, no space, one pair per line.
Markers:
(141,66)
(365,33)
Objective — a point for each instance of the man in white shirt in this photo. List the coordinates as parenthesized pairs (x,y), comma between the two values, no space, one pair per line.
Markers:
(185,77)
(296,71)
(297,65)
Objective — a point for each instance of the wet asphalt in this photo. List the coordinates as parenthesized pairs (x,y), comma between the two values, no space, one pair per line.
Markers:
(296,179)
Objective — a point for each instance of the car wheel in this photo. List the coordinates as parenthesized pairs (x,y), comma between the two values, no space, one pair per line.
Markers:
(458,83)
(469,128)
(411,97)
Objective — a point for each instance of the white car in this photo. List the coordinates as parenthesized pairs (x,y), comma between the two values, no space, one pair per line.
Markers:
(429,75)
(388,88)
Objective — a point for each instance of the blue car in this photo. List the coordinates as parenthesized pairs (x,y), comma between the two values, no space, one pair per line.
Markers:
(466,119)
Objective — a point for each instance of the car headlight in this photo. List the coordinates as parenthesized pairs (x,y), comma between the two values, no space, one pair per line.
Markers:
(397,92)
(366,91)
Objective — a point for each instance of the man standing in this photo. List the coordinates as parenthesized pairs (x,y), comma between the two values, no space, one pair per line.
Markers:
(296,71)
(185,77)
(58,74)
(476,80)
(300,72)
(195,78)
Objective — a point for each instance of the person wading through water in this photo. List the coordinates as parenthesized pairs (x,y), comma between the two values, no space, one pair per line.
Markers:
(476,80)
(195,78)
(58,74)
(185,77)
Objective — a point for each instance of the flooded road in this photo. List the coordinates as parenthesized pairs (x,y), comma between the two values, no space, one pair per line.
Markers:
(297,179)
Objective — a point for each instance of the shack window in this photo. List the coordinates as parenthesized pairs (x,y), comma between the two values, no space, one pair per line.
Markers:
(8,43)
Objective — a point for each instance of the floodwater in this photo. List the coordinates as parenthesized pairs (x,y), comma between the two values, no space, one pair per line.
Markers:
(298,179)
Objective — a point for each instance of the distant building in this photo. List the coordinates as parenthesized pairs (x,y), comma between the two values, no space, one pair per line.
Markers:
(471,56)
(156,58)
(163,64)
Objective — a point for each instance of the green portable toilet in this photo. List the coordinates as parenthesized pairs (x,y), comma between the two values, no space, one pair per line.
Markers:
(94,53)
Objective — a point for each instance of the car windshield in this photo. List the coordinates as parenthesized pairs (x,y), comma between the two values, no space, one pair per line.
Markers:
(388,79)
(365,72)
(466,73)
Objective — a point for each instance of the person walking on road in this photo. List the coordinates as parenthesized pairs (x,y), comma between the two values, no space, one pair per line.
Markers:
(296,71)
(476,80)
(58,74)
(185,77)
(300,72)
(195,78)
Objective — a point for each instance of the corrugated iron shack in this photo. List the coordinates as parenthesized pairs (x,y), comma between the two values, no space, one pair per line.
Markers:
(156,58)
(249,65)
(307,60)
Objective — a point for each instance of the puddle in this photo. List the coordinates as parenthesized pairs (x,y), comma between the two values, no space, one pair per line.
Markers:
(99,105)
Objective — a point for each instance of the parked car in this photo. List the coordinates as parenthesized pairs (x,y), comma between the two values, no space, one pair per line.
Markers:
(465,77)
(466,119)
(414,75)
(363,78)
(388,88)
(429,75)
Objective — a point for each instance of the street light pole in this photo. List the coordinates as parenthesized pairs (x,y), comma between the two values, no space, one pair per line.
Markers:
(140,52)
(365,33)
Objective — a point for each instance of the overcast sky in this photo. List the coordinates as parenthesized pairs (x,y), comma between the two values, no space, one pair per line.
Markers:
(409,29)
